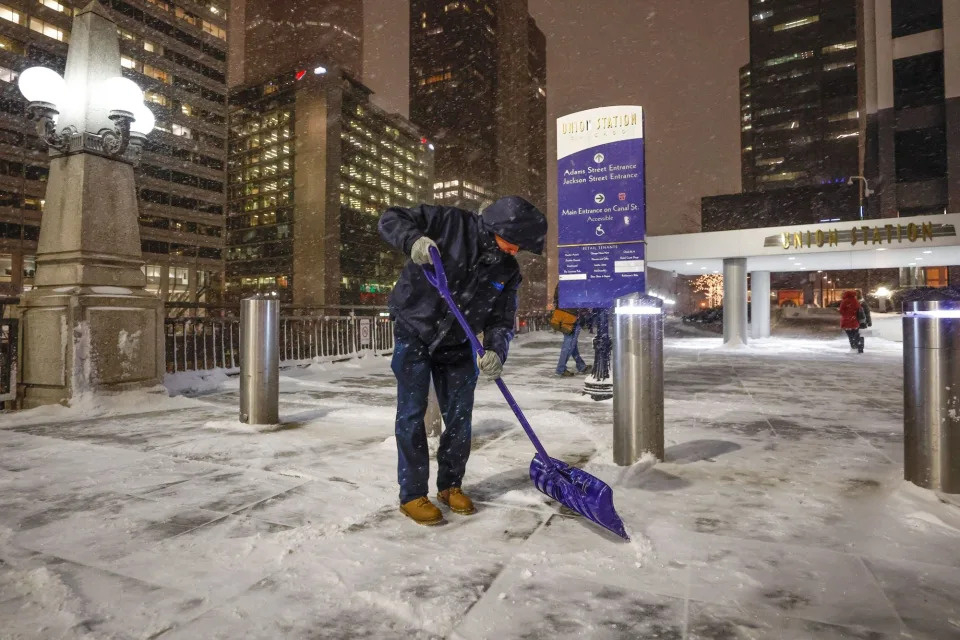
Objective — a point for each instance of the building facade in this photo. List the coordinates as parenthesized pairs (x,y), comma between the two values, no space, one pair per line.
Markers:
(269,38)
(799,106)
(912,95)
(478,90)
(176,52)
(313,165)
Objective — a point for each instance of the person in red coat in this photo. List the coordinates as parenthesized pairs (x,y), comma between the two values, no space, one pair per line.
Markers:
(850,314)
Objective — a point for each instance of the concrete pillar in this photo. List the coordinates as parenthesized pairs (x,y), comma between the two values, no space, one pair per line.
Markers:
(760,304)
(734,301)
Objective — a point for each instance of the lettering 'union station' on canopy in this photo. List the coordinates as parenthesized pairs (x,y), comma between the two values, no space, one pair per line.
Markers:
(862,244)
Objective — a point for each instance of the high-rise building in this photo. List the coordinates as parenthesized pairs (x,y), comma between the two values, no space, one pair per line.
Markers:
(478,88)
(176,52)
(313,165)
(912,94)
(273,36)
(799,94)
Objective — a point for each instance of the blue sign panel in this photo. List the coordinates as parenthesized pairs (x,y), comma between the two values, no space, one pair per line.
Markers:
(601,205)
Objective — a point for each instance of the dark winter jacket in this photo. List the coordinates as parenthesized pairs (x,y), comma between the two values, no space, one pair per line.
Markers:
(865,308)
(850,311)
(482,278)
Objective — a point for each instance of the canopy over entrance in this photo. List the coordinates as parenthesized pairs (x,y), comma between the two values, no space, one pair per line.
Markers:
(866,244)
(885,243)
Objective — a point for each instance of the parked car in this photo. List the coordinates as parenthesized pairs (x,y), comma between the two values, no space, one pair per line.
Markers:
(706,316)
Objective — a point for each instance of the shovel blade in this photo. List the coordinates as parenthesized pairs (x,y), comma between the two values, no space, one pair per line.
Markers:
(579,491)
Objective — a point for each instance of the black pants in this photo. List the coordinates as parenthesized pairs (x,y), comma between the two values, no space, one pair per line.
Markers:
(854,336)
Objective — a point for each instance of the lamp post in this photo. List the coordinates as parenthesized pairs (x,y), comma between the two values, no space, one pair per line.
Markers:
(865,191)
(89,325)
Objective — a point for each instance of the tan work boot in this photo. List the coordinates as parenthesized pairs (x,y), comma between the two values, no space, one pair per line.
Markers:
(422,511)
(457,500)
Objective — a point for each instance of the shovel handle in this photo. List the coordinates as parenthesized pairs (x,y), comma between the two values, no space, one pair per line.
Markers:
(438,278)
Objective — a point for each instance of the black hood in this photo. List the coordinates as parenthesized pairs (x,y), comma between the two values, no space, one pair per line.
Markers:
(518,222)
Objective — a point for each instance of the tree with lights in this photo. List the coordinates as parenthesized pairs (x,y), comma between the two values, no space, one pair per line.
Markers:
(711,285)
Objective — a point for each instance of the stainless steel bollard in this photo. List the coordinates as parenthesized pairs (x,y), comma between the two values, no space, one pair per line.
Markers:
(260,359)
(637,378)
(931,394)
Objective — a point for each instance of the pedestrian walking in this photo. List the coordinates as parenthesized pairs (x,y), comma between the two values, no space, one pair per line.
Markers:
(477,252)
(851,313)
(569,322)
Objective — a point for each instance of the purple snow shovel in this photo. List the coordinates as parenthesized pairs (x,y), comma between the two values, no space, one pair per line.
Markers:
(575,489)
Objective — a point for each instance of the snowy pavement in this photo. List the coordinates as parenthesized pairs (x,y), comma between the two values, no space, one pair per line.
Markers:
(780,512)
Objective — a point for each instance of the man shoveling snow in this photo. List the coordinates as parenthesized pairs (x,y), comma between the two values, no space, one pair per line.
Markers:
(483,275)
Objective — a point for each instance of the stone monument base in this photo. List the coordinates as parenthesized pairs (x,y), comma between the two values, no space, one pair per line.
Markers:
(89,339)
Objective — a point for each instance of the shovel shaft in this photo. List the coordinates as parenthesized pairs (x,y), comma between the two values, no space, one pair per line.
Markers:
(438,279)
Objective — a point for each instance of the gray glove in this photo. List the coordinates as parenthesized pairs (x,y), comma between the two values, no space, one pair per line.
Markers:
(420,251)
(490,365)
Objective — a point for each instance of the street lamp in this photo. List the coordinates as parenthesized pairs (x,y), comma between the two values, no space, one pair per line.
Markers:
(89,285)
(865,191)
(47,95)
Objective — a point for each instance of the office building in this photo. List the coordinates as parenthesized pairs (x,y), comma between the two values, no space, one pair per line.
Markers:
(313,165)
(270,37)
(478,90)
(799,94)
(176,52)
(912,93)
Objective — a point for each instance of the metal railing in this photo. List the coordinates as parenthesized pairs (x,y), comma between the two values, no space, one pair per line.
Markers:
(9,342)
(199,344)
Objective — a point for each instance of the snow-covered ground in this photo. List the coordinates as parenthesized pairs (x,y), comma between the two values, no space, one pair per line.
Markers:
(779,513)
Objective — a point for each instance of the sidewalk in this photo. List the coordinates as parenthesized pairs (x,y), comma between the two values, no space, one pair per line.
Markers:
(780,512)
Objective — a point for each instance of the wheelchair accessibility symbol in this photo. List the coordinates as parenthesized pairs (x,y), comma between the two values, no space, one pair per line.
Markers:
(599,198)
(600,231)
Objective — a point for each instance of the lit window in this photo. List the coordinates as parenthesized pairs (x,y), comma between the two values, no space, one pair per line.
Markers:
(7,75)
(161,4)
(156,98)
(56,6)
(156,74)
(214,30)
(181,131)
(185,16)
(152,48)
(767,162)
(9,14)
(793,24)
(850,115)
(436,31)
(772,62)
(451,7)
(833,66)
(129,63)
(186,109)
(126,35)
(784,176)
(47,29)
(849,134)
(761,16)
(843,46)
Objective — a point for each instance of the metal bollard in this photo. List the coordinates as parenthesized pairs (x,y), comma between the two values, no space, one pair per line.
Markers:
(637,378)
(260,359)
(931,394)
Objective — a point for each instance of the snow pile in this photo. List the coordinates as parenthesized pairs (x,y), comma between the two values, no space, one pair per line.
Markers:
(89,405)
(196,382)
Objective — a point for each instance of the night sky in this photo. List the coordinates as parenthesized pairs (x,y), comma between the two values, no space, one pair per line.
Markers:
(679,59)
